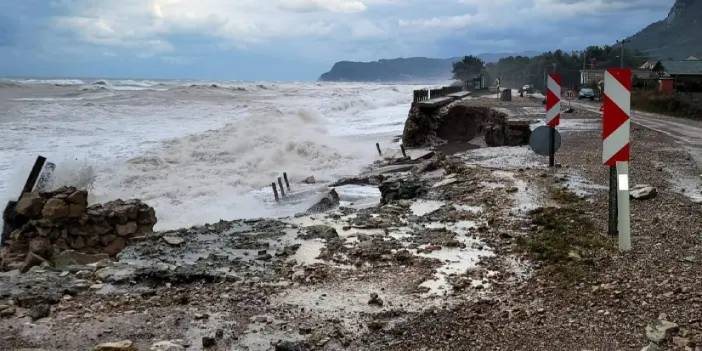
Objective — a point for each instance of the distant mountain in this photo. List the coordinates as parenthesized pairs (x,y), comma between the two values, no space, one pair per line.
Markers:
(677,36)
(414,69)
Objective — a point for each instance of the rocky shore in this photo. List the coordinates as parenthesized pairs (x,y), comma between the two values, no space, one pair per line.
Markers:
(479,249)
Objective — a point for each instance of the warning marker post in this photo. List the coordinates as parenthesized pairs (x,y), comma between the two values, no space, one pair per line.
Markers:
(553,112)
(616,125)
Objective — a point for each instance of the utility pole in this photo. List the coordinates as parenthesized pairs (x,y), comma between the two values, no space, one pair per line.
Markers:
(621,46)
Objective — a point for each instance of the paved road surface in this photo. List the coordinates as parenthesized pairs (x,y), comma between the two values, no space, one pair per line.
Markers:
(687,132)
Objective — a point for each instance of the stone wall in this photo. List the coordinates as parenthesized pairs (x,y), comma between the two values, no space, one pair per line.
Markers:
(48,223)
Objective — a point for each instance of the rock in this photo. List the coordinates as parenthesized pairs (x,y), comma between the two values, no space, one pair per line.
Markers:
(401,189)
(71,258)
(123,212)
(512,190)
(326,203)
(124,345)
(403,256)
(375,300)
(660,330)
(310,180)
(264,257)
(208,341)
(55,209)
(201,316)
(126,229)
(290,346)
(172,345)
(7,311)
(76,210)
(30,261)
(79,197)
(173,240)
(40,246)
(574,255)
(319,232)
(427,166)
(116,274)
(76,242)
(39,311)
(30,205)
(643,192)
(361,180)
(147,215)
(115,247)
(376,325)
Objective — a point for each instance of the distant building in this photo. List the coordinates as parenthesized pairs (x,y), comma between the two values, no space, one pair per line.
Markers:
(589,77)
(683,75)
(687,75)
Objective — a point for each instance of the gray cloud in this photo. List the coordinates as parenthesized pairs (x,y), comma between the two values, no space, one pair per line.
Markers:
(311,33)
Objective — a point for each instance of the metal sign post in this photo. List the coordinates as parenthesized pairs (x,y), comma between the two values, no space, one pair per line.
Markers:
(553,112)
(616,125)
(624,225)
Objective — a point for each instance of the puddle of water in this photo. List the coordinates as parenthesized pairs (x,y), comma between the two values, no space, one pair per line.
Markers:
(424,207)
(689,186)
(467,208)
(682,182)
(526,198)
(581,186)
(504,157)
(455,260)
(575,124)
(358,196)
(308,252)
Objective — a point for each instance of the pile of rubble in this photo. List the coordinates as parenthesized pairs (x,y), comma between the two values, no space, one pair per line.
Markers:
(45,224)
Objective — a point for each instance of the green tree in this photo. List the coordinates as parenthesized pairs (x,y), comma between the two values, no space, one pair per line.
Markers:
(468,68)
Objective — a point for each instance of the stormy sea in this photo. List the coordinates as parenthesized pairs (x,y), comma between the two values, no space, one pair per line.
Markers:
(198,151)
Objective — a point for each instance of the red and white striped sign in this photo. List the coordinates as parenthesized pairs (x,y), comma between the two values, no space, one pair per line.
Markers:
(616,119)
(553,100)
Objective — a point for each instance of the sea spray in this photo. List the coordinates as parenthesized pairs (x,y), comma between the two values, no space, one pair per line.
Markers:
(199,151)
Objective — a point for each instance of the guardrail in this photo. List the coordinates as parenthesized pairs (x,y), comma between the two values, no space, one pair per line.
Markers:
(427,94)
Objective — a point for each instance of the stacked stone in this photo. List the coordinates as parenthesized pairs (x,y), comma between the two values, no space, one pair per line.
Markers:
(62,220)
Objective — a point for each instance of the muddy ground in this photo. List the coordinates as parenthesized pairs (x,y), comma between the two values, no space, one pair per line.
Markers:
(496,252)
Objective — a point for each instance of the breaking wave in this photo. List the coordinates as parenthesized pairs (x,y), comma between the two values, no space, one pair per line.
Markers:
(239,159)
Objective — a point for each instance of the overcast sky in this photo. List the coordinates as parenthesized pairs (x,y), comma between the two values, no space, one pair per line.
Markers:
(290,39)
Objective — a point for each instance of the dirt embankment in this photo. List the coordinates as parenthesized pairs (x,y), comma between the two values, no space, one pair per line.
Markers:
(460,123)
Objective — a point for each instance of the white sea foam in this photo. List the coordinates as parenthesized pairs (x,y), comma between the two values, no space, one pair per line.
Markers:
(197,150)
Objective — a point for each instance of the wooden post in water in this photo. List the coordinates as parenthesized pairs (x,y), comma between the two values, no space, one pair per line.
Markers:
(287,183)
(33,175)
(9,215)
(377,146)
(275,192)
(402,147)
(280,183)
